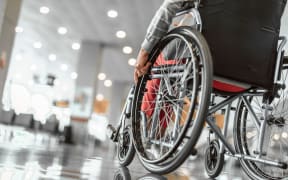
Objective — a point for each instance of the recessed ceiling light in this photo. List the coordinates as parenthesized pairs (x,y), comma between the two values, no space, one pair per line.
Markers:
(127,50)
(44,10)
(76,46)
(74,75)
(64,67)
(52,57)
(37,45)
(108,83)
(62,30)
(100,97)
(19,29)
(132,61)
(101,76)
(121,34)
(112,13)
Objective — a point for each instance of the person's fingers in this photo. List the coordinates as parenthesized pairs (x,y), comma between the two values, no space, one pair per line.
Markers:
(148,64)
(140,70)
(145,68)
(135,76)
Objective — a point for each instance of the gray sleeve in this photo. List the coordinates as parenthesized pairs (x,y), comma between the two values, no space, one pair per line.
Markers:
(161,22)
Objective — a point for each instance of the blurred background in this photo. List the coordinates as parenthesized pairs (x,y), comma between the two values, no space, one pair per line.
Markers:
(71,62)
(65,69)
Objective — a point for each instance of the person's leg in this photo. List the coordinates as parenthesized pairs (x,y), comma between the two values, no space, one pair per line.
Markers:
(149,101)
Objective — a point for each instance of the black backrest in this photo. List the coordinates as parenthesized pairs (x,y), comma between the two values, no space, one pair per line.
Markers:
(243,37)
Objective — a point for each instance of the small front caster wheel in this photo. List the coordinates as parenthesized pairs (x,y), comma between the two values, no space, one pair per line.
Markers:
(214,160)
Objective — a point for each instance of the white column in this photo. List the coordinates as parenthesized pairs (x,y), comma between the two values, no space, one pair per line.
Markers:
(9,13)
(88,67)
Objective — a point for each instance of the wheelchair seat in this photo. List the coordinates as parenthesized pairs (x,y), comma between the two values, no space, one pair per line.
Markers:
(223,86)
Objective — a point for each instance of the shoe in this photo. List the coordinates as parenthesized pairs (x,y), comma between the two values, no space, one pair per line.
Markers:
(111,132)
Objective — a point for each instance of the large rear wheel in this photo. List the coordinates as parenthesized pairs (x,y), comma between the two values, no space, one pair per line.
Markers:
(171,100)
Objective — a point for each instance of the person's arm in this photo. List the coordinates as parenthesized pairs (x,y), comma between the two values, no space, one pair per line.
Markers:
(156,30)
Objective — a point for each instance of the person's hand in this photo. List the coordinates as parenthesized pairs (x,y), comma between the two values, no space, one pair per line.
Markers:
(142,65)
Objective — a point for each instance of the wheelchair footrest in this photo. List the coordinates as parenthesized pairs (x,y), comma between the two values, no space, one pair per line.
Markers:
(111,133)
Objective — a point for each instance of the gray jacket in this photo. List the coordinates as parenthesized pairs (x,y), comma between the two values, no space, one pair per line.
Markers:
(162,20)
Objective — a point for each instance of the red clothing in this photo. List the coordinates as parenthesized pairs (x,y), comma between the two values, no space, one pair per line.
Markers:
(149,98)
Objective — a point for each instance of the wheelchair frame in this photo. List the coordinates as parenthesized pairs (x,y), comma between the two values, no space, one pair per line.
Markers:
(260,124)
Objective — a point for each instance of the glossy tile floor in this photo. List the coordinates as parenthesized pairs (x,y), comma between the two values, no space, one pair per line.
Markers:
(31,156)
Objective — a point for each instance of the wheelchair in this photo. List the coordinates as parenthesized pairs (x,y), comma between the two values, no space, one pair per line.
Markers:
(189,81)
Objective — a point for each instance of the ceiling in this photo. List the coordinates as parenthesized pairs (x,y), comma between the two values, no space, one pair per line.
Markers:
(85,20)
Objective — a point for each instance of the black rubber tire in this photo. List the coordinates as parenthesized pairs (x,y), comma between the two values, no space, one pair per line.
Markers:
(126,150)
(122,174)
(152,177)
(243,140)
(191,130)
(214,169)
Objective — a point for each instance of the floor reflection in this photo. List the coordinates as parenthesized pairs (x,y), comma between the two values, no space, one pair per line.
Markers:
(29,155)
